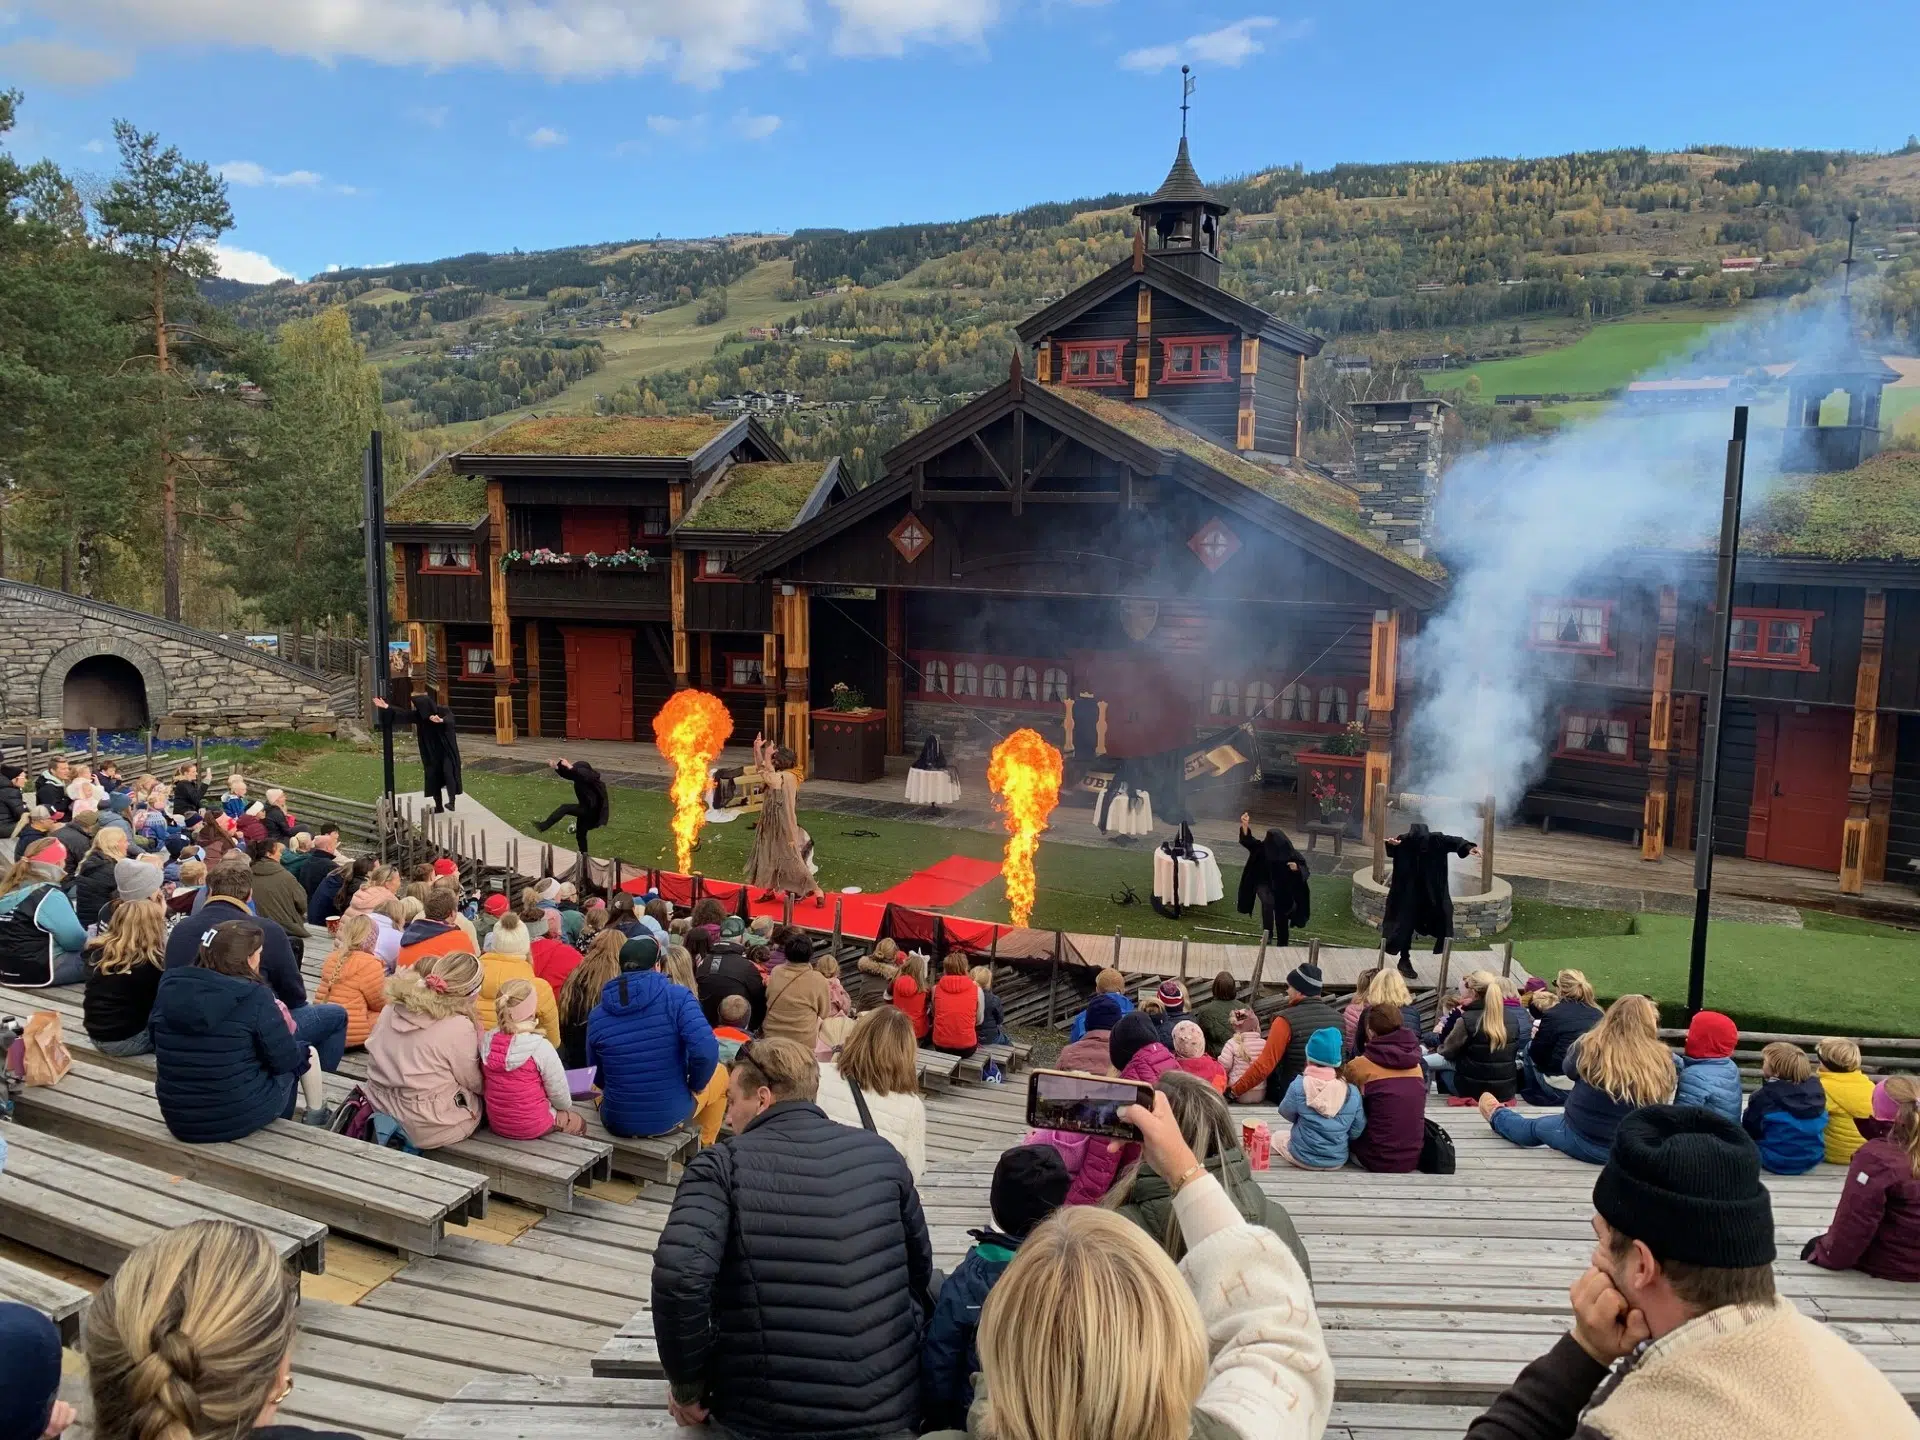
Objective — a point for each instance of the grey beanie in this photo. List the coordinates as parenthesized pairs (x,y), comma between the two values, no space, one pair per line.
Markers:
(136,879)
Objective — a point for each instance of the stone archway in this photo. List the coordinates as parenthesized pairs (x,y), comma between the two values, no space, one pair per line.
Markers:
(53,679)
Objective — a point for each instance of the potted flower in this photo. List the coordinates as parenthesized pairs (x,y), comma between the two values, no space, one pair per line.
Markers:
(849,738)
(1333,776)
(847,700)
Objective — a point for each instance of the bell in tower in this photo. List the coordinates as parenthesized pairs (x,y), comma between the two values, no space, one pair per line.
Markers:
(1182,218)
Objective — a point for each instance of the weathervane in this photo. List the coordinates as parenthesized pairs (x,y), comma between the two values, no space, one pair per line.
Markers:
(1186,92)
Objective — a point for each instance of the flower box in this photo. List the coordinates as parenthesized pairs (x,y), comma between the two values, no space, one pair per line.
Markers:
(1332,789)
(850,745)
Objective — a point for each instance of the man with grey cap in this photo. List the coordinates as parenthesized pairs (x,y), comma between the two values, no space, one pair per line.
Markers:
(1678,1332)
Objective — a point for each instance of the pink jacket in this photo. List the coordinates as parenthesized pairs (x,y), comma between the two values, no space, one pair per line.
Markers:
(1089,1054)
(1104,1159)
(517,1103)
(425,1073)
(1071,1144)
(1238,1055)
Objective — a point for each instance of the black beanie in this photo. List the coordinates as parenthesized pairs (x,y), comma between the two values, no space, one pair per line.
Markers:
(1029,1184)
(1132,1035)
(640,953)
(1687,1182)
(1306,979)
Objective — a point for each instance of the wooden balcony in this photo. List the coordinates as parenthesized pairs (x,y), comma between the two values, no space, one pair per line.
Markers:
(583,592)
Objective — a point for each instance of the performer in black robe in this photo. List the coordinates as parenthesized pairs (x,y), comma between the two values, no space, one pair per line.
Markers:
(1275,875)
(591,808)
(439,743)
(1418,900)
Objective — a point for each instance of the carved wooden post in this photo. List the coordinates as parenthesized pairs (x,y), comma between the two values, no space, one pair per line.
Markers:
(1653,821)
(1854,844)
(1383,662)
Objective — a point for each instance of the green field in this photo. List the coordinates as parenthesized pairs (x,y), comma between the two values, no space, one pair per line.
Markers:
(1605,358)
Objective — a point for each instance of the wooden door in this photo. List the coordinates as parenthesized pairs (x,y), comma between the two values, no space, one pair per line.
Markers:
(601,529)
(1800,778)
(599,685)
(1149,704)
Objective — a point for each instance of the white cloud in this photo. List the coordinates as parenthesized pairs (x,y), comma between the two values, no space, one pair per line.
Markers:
(546,137)
(431,116)
(248,266)
(62,65)
(755,127)
(664,124)
(251,174)
(1230,46)
(887,27)
(95,147)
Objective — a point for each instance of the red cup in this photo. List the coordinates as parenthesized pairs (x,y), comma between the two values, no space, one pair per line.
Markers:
(1257,1141)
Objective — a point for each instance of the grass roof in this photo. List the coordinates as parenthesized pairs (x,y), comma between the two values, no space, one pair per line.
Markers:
(1299,489)
(594,435)
(759,499)
(1868,513)
(439,497)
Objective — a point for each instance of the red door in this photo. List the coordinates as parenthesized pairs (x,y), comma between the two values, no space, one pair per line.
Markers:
(601,529)
(1800,779)
(1149,704)
(599,685)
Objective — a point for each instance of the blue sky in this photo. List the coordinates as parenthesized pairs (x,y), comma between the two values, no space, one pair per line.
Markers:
(358,132)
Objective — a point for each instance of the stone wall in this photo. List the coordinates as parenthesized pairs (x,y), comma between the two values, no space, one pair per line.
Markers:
(1475,917)
(968,739)
(1396,468)
(195,683)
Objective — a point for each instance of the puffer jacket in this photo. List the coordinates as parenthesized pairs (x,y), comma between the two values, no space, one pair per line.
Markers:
(956,1008)
(1711,1084)
(654,1051)
(1318,1140)
(1788,1121)
(1102,1164)
(1150,1203)
(496,970)
(1078,1029)
(1089,1054)
(1559,1025)
(1849,1098)
(224,1057)
(950,1356)
(357,983)
(425,1073)
(911,1001)
(1393,1095)
(1876,1229)
(1479,1067)
(93,887)
(788,1281)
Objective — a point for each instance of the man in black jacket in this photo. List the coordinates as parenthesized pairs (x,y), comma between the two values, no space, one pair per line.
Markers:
(591,808)
(50,789)
(725,970)
(789,1282)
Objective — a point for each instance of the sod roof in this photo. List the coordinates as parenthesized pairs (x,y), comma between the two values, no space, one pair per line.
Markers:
(758,499)
(1868,513)
(609,435)
(439,497)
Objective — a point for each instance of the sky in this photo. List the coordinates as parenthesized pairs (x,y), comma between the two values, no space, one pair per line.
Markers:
(367,132)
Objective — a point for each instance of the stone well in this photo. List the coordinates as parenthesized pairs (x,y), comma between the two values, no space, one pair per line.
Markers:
(1474,916)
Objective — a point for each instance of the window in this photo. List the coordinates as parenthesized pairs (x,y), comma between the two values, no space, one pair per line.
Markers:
(993,682)
(716,565)
(654,521)
(934,677)
(1224,699)
(966,678)
(476,662)
(1578,626)
(1773,639)
(1026,685)
(1092,363)
(1259,700)
(1054,685)
(1333,705)
(1193,360)
(1296,702)
(1596,735)
(744,672)
(443,558)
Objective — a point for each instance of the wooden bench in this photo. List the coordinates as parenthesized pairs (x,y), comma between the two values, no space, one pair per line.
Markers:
(64,1304)
(1546,806)
(92,1209)
(632,1353)
(402,1201)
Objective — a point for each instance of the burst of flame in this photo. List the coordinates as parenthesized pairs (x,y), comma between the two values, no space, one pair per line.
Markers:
(690,729)
(1025,777)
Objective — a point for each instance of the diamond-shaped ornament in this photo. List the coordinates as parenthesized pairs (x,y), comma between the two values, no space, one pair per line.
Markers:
(911,537)
(1214,544)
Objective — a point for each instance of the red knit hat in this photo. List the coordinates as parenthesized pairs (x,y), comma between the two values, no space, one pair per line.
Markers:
(495,904)
(444,866)
(1711,1036)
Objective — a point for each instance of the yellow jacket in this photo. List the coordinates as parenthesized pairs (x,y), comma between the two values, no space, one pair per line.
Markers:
(1849,1098)
(496,969)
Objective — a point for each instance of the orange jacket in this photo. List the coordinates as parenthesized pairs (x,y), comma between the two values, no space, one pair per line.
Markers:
(453,942)
(1278,1038)
(356,982)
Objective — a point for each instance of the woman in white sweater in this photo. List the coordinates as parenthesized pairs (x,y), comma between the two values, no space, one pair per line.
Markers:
(880,1061)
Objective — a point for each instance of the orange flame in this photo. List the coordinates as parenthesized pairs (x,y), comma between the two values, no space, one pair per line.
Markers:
(690,729)
(1025,777)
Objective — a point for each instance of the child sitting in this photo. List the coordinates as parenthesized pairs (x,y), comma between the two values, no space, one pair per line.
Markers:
(1029,1184)
(883,963)
(1107,982)
(1241,1050)
(1849,1097)
(1787,1116)
(1190,1054)
(1325,1110)
(910,995)
(1876,1228)
(837,997)
(993,1019)
(1708,1076)
(525,1085)
(731,1032)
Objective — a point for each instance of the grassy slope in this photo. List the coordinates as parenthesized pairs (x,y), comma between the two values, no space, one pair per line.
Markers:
(1603,358)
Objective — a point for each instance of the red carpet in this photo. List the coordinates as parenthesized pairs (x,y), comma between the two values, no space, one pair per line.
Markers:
(935,888)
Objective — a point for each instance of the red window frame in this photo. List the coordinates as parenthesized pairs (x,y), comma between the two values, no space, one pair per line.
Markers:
(1759,658)
(700,575)
(727,657)
(427,567)
(468,647)
(1093,349)
(1196,376)
(1271,719)
(918,660)
(1595,757)
(1561,647)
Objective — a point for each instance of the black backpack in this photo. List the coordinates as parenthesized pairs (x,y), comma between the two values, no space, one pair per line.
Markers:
(1436,1150)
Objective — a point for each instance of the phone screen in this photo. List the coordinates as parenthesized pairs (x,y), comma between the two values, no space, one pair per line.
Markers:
(1085,1104)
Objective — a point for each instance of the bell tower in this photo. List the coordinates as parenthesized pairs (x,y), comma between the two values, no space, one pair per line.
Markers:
(1181,220)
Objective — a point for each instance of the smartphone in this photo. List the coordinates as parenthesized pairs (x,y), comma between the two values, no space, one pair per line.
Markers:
(1085,1104)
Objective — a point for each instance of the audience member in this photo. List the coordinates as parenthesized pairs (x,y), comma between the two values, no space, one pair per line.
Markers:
(279,896)
(875,1085)
(1107,982)
(909,994)
(434,933)
(798,996)
(509,947)
(1190,1054)
(1172,996)
(678,965)
(30,1403)
(1240,1054)
(839,1022)
(423,1057)
(124,966)
(42,941)
(553,958)
(93,878)
(1876,1228)
(731,1033)
(190,890)
(189,791)
(353,978)
(1351,1036)
(1572,1013)
(523,1079)
(1393,1093)
(993,1016)
(1708,1075)
(1618,1066)
(1849,1097)
(1480,1053)
(1787,1115)
(1323,1111)
(882,961)
(1029,1184)
(956,1008)
(1214,1016)
(1089,1054)
(1284,1056)
(725,970)
(581,994)
(1677,1327)
(1134,1052)
(657,1058)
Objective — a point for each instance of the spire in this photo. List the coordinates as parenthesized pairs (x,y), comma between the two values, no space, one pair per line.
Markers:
(1183,185)
(1186,93)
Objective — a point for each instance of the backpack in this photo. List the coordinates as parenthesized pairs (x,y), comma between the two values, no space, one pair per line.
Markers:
(1436,1150)
(356,1118)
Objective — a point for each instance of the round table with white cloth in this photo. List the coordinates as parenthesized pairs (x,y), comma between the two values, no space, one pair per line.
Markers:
(931,787)
(1199,877)
(1130,813)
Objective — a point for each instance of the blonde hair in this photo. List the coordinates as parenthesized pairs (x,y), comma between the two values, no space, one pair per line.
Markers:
(1109,980)
(1152,1006)
(1387,988)
(885,950)
(982,975)
(186,1340)
(193,872)
(1782,1061)
(597,966)
(1572,985)
(880,1055)
(1063,1341)
(913,965)
(403,910)
(1622,1054)
(679,968)
(137,936)
(827,965)
(785,1067)
(1837,1053)
(460,970)
(504,999)
(1485,986)
(1904,1091)
(355,933)
(111,840)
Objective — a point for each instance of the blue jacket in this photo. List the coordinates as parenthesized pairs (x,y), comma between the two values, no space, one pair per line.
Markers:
(993,1029)
(654,1051)
(1321,1140)
(1558,1027)
(1078,1029)
(1789,1123)
(1711,1084)
(55,915)
(320,899)
(277,965)
(224,1055)
(950,1353)
(1592,1116)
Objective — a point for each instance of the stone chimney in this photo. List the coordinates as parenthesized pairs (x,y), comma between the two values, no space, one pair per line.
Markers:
(1396,467)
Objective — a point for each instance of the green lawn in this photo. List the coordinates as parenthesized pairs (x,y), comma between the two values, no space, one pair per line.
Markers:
(1604,358)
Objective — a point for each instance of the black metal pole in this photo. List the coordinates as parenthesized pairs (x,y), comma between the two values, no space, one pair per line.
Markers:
(376,534)
(1716,700)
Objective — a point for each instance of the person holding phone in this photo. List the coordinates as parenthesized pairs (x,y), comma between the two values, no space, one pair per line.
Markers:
(1136,1054)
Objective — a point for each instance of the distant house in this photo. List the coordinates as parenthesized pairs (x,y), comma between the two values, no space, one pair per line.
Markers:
(1689,390)
(1734,264)
(1353,365)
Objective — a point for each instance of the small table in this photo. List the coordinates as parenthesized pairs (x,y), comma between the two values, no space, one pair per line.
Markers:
(1199,877)
(931,787)
(1130,814)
